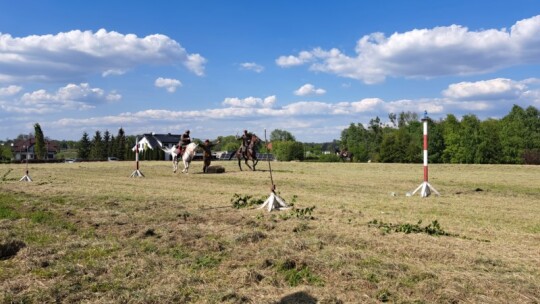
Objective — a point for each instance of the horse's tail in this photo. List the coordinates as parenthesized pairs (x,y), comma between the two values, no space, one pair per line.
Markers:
(234,153)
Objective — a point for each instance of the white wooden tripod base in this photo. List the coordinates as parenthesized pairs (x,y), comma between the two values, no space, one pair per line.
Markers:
(137,173)
(26,178)
(274,202)
(426,189)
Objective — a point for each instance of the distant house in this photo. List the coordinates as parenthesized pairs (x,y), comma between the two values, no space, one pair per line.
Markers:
(24,149)
(156,141)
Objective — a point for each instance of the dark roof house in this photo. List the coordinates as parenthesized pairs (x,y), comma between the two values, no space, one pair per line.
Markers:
(25,149)
(157,141)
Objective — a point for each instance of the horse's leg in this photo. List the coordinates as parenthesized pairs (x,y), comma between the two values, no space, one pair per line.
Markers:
(175,164)
(186,166)
(255,162)
(239,157)
(247,164)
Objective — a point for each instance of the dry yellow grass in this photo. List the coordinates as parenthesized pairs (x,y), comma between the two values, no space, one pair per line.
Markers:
(92,234)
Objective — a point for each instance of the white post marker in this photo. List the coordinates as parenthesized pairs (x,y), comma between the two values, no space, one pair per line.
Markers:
(137,172)
(425,187)
(273,202)
(26,177)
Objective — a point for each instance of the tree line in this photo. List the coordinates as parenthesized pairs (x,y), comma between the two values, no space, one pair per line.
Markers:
(514,139)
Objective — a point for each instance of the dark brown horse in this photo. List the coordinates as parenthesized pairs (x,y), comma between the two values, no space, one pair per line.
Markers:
(345,155)
(249,154)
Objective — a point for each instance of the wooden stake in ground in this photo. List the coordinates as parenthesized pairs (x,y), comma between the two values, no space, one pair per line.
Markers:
(425,186)
(273,201)
(137,172)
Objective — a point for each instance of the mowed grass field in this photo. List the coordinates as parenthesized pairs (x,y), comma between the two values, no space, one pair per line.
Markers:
(88,233)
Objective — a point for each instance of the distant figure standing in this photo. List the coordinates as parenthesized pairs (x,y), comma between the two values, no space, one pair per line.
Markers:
(184,141)
(207,153)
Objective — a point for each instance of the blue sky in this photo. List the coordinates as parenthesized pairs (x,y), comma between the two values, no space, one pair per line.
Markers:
(219,67)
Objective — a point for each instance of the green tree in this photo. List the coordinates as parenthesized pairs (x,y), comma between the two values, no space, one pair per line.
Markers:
(391,149)
(489,150)
(107,144)
(5,151)
(412,140)
(84,147)
(121,148)
(532,126)
(406,118)
(113,146)
(451,127)
(436,143)
(96,151)
(281,135)
(513,135)
(469,138)
(227,143)
(39,148)
(357,140)
(288,150)
(129,143)
(376,130)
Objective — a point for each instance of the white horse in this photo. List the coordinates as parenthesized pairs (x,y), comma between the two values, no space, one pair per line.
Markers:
(187,157)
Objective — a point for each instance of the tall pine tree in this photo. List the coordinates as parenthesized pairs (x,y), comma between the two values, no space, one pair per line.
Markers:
(39,147)
(121,144)
(106,144)
(96,152)
(84,147)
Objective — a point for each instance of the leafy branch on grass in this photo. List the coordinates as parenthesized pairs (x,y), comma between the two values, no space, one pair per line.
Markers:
(432,229)
(300,213)
(243,201)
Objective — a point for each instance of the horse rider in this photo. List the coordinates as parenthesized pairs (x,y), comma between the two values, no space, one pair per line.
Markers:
(207,153)
(184,141)
(246,141)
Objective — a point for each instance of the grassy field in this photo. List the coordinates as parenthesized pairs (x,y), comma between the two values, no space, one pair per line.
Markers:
(86,232)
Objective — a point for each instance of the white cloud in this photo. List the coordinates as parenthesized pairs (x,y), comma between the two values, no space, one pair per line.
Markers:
(195,63)
(499,88)
(72,97)
(169,84)
(448,50)
(435,106)
(10,90)
(289,61)
(250,102)
(252,66)
(113,72)
(308,120)
(309,89)
(77,54)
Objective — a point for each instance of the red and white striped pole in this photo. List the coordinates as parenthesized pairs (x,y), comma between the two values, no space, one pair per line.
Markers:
(425,121)
(425,187)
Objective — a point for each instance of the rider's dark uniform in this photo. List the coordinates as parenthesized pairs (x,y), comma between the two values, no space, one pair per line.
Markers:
(246,140)
(207,154)
(184,141)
